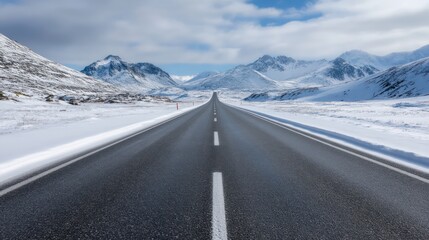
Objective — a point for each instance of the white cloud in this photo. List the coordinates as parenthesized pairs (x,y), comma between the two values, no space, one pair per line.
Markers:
(211,31)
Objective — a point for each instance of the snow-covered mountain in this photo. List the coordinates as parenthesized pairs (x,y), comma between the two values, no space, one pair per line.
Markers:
(340,69)
(383,62)
(284,72)
(22,70)
(332,72)
(282,68)
(131,76)
(238,78)
(409,80)
(270,72)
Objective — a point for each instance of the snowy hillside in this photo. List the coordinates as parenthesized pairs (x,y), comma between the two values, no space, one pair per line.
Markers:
(383,62)
(409,80)
(131,76)
(22,70)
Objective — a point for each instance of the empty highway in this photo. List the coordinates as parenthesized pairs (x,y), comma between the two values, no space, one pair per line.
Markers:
(218,172)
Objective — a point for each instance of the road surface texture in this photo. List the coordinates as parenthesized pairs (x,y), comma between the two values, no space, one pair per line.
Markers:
(215,173)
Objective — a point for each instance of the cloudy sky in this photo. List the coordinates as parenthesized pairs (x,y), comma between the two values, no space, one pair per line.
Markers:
(188,36)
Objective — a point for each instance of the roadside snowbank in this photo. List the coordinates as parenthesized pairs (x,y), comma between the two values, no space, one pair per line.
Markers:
(397,130)
(78,131)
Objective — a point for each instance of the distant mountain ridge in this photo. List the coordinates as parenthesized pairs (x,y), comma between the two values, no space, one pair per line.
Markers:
(270,72)
(131,76)
(282,72)
(22,70)
(387,61)
(409,80)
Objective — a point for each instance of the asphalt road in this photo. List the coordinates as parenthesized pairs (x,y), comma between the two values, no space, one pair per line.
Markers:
(218,172)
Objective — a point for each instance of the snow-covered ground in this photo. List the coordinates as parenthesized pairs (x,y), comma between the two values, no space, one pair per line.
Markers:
(33,114)
(36,134)
(397,128)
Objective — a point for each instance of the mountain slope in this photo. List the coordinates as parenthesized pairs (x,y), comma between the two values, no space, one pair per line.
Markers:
(342,70)
(409,80)
(22,70)
(135,77)
(282,68)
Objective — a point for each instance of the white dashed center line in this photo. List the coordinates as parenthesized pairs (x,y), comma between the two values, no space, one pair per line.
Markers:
(218,214)
(215,119)
(216,139)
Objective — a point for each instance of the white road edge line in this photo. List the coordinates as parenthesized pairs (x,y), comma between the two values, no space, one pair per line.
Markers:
(398,170)
(216,138)
(215,119)
(218,213)
(51,170)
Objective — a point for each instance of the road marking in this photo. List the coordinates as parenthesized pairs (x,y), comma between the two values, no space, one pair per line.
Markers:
(216,139)
(214,113)
(218,213)
(398,170)
(215,119)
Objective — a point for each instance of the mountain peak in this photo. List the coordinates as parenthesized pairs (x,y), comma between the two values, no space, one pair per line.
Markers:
(339,61)
(285,59)
(355,54)
(355,51)
(113,57)
(266,57)
(266,62)
(423,51)
(134,76)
